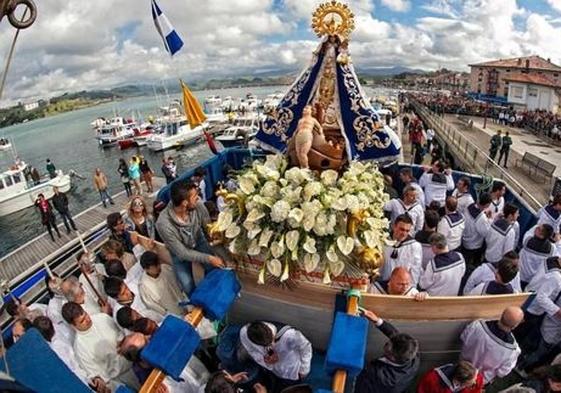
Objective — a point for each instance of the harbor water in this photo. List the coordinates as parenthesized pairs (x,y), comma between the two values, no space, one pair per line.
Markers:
(68,140)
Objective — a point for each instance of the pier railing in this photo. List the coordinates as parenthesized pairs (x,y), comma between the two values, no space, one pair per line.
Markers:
(477,159)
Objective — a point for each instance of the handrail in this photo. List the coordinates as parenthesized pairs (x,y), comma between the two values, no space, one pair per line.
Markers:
(471,152)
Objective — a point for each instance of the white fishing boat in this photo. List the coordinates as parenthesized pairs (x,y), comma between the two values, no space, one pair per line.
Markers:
(272,101)
(115,130)
(174,133)
(239,133)
(17,193)
(213,110)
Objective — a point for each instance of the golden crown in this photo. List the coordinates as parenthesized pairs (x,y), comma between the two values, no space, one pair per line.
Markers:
(333,18)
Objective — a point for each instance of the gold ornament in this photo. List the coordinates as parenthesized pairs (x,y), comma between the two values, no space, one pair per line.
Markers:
(333,18)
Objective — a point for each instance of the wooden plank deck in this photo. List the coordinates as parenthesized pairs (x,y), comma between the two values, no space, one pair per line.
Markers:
(27,257)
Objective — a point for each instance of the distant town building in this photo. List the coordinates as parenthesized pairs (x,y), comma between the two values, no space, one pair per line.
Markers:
(493,77)
(534,92)
(31,106)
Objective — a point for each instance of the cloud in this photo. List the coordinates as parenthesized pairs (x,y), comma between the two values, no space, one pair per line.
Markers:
(397,5)
(555,4)
(76,45)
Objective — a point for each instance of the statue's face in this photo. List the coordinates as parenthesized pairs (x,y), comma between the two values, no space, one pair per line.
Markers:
(307,110)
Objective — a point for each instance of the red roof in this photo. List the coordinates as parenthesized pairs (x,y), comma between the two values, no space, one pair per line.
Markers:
(533,79)
(534,62)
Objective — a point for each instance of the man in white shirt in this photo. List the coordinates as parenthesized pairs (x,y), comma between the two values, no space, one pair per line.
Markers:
(436,183)
(407,204)
(462,194)
(497,199)
(95,272)
(551,213)
(478,224)
(452,224)
(407,178)
(121,293)
(488,271)
(490,345)
(282,350)
(95,347)
(443,274)
(19,310)
(430,136)
(502,284)
(54,309)
(398,285)
(406,251)
(536,248)
(501,237)
(74,292)
(158,286)
(61,347)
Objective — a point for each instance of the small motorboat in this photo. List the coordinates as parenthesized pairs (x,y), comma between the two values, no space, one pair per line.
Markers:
(139,139)
(240,133)
(5,144)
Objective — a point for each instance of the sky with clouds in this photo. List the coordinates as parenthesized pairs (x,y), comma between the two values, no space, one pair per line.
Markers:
(76,44)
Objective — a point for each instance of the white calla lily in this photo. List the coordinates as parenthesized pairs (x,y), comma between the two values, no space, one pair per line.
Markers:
(254,248)
(311,262)
(331,253)
(285,274)
(246,185)
(233,247)
(225,218)
(310,245)
(232,231)
(265,238)
(255,215)
(345,244)
(277,248)
(291,239)
(336,268)
(274,266)
(326,277)
(370,238)
(261,279)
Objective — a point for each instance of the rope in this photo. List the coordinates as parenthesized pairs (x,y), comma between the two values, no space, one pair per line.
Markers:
(10,54)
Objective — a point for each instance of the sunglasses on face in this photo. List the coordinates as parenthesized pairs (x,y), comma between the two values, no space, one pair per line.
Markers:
(137,204)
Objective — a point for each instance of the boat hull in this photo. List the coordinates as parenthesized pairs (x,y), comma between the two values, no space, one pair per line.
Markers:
(172,141)
(26,198)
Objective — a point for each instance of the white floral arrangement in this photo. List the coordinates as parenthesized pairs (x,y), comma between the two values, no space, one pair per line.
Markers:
(299,219)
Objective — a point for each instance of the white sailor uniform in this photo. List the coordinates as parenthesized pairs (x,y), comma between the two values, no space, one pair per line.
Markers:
(464,199)
(496,207)
(534,253)
(436,185)
(452,226)
(420,193)
(486,272)
(423,238)
(499,240)
(491,288)
(547,285)
(443,274)
(477,226)
(408,254)
(397,207)
(381,288)
(491,350)
(548,215)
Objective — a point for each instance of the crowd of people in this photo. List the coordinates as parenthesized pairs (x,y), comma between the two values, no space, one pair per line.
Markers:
(540,122)
(445,241)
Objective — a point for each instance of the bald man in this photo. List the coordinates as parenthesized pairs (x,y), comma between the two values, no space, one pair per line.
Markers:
(490,345)
(399,284)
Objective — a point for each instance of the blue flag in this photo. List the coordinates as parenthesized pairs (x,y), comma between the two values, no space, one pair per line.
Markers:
(172,41)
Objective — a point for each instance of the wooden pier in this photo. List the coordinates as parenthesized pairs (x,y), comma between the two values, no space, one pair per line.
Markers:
(32,256)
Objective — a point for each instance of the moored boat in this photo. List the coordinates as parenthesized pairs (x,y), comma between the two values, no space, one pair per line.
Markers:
(17,193)
(115,130)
